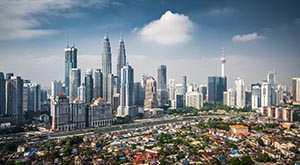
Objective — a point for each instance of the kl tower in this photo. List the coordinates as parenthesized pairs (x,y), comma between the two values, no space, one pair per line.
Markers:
(223,61)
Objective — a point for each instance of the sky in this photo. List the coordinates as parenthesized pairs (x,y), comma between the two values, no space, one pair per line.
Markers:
(186,36)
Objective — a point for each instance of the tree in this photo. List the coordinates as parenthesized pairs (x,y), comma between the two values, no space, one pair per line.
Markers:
(260,142)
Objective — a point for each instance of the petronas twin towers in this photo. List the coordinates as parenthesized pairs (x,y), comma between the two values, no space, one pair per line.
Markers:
(108,77)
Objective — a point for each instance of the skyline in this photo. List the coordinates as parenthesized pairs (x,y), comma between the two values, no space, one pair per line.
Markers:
(255,39)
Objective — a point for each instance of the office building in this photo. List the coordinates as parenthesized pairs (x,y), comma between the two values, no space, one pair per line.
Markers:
(121,61)
(150,94)
(9,76)
(70,62)
(255,96)
(271,77)
(194,99)
(126,92)
(75,77)
(203,90)
(231,97)
(14,99)
(216,88)
(88,82)
(296,90)
(35,97)
(81,93)
(98,83)
(266,94)
(99,113)
(107,70)
(240,92)
(162,93)
(67,116)
(2,94)
(138,94)
(56,88)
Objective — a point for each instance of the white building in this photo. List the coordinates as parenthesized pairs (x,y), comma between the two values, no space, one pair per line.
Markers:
(266,94)
(194,99)
(296,90)
(240,92)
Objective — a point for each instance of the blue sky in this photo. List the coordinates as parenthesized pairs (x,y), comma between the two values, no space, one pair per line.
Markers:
(187,36)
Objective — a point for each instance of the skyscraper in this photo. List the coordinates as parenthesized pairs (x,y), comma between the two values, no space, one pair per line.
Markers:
(266,94)
(151,94)
(81,93)
(56,88)
(9,76)
(271,77)
(14,101)
(2,94)
(216,87)
(296,89)
(74,83)
(70,62)
(121,61)
(256,96)
(240,92)
(88,81)
(98,83)
(162,93)
(223,61)
(35,97)
(203,90)
(107,70)
(126,91)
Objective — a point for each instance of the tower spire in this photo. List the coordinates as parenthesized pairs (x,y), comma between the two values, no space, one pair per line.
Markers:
(223,61)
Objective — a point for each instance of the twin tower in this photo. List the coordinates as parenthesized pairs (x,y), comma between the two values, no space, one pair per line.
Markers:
(108,79)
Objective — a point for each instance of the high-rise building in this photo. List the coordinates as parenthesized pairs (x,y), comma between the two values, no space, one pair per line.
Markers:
(216,87)
(138,94)
(88,82)
(121,61)
(255,96)
(107,70)
(271,77)
(56,88)
(223,61)
(184,85)
(266,94)
(14,99)
(296,89)
(9,76)
(70,62)
(162,93)
(126,92)
(151,94)
(26,97)
(75,77)
(35,97)
(172,92)
(2,94)
(194,99)
(203,90)
(231,97)
(81,93)
(98,83)
(240,92)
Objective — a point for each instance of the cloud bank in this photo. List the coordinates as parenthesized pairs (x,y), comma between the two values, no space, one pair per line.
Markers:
(247,37)
(170,29)
(23,19)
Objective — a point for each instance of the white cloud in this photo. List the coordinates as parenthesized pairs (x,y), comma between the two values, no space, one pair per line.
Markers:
(18,21)
(171,28)
(247,37)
